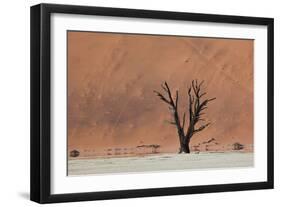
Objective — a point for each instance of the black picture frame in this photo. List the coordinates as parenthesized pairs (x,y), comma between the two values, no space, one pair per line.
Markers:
(41,96)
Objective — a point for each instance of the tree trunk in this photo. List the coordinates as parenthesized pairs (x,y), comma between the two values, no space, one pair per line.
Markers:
(184,147)
(196,106)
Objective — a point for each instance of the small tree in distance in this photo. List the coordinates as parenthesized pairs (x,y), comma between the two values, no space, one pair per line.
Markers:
(196,105)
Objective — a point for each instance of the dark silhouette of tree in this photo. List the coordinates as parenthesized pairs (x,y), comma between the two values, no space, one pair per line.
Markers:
(196,107)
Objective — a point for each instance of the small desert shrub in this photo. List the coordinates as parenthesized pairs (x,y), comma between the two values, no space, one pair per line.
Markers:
(237,146)
(74,153)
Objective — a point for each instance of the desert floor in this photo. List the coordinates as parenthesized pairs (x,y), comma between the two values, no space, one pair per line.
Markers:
(160,162)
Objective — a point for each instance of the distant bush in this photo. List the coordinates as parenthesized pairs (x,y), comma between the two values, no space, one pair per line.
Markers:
(237,146)
(74,153)
(154,147)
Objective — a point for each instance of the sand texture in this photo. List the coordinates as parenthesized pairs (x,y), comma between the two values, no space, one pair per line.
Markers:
(111,78)
(160,162)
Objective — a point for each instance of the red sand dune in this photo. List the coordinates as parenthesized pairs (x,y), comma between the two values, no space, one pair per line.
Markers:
(111,78)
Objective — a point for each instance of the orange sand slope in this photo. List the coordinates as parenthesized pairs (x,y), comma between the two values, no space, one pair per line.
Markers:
(111,78)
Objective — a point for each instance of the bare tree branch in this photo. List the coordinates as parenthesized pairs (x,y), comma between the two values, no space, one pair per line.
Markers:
(211,99)
(165,89)
(201,83)
(173,105)
(169,94)
(162,97)
(177,98)
(196,106)
(202,95)
(201,128)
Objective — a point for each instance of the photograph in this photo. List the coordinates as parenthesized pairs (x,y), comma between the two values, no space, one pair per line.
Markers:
(158,103)
(133,103)
(140,103)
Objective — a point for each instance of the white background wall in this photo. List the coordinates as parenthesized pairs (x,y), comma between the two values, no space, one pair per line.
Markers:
(14,102)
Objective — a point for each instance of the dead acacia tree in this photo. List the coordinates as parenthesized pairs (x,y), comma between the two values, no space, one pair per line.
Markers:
(196,105)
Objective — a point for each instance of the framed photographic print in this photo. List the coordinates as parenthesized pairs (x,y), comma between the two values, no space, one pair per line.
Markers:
(133,103)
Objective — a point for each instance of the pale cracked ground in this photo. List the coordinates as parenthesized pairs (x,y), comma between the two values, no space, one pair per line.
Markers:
(160,162)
